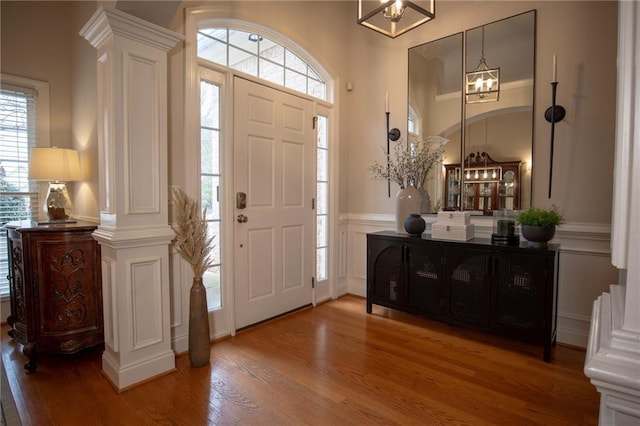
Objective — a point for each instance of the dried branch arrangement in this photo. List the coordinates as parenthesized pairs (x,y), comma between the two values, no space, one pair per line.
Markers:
(192,239)
(410,166)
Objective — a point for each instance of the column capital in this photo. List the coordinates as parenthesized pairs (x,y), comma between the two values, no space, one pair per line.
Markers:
(107,22)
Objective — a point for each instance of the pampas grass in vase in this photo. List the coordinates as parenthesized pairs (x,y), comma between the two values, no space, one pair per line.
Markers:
(195,245)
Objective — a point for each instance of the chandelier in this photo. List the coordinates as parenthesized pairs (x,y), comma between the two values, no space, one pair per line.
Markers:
(394,17)
(483,83)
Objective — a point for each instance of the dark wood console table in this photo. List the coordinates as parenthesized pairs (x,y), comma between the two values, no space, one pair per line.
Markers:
(506,290)
(55,287)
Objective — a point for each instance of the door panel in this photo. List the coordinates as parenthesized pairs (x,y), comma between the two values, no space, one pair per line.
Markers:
(274,164)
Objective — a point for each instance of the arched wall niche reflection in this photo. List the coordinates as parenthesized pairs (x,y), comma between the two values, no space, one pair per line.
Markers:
(503,129)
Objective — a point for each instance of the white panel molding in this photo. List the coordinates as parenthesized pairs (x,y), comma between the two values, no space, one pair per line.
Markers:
(141,142)
(109,296)
(179,294)
(175,270)
(575,237)
(145,276)
(342,267)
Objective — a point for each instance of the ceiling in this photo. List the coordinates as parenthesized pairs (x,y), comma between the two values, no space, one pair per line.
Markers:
(159,12)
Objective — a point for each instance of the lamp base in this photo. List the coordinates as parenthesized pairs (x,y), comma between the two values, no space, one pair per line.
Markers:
(58,203)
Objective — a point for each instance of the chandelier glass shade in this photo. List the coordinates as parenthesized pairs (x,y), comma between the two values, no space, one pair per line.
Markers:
(394,17)
(483,83)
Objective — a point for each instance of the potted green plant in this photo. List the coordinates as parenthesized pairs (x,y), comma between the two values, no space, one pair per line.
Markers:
(538,225)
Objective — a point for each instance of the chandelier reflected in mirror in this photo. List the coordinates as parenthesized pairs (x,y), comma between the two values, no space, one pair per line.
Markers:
(483,83)
(394,17)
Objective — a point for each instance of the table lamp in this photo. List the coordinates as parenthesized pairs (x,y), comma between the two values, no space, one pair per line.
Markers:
(56,166)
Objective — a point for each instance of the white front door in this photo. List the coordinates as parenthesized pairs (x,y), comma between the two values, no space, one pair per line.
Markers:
(274,166)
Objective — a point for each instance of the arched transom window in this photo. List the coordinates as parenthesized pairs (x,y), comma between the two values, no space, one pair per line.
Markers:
(256,55)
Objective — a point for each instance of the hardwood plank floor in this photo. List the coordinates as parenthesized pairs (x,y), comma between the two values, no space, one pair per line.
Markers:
(331,365)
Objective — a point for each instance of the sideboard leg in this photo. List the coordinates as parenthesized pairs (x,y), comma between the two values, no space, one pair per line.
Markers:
(29,350)
(547,352)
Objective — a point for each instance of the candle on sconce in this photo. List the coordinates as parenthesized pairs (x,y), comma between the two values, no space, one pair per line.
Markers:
(555,68)
(386,102)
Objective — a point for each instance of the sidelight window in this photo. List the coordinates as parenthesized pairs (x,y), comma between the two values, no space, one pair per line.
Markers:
(322,192)
(210,182)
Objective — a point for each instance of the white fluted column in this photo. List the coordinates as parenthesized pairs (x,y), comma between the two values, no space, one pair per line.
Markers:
(134,231)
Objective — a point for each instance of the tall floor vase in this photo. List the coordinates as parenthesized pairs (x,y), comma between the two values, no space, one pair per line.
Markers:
(408,201)
(199,340)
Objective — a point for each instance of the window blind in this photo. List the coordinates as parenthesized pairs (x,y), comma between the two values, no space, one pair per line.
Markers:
(18,196)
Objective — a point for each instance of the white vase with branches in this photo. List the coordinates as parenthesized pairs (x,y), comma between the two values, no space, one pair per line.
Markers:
(409,167)
(195,245)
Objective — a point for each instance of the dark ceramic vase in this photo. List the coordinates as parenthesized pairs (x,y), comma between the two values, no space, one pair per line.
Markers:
(537,236)
(414,225)
(199,340)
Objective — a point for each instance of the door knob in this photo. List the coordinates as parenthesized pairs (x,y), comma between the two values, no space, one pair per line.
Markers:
(242,218)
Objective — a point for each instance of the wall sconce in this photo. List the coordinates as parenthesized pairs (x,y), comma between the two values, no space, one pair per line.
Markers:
(554,114)
(56,166)
(483,83)
(394,17)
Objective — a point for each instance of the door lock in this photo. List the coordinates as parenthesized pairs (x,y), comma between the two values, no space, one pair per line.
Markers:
(242,218)
(241,200)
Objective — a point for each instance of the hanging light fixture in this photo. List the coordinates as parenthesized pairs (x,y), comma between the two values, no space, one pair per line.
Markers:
(394,17)
(483,83)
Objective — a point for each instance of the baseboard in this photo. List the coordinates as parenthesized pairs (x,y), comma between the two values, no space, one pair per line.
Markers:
(180,344)
(124,377)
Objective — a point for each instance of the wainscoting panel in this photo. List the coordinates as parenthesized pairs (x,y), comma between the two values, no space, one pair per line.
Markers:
(146,302)
(585,266)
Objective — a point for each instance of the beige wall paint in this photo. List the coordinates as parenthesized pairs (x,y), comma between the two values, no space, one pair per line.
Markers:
(586,74)
(35,41)
(374,64)
(84,114)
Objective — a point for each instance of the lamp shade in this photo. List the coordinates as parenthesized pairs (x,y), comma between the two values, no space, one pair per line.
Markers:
(54,164)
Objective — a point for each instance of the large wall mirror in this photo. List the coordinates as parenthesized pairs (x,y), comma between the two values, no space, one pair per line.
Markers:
(487,159)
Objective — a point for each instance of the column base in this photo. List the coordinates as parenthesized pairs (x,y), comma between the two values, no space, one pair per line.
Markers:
(124,377)
(613,362)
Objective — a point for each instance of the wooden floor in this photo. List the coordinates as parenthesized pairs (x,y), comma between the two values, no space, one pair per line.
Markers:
(331,365)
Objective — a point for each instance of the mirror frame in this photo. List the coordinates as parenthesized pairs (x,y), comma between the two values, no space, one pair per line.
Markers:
(526,185)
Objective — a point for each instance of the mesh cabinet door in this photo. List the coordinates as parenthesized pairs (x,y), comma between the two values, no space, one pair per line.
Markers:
(467,283)
(385,280)
(424,283)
